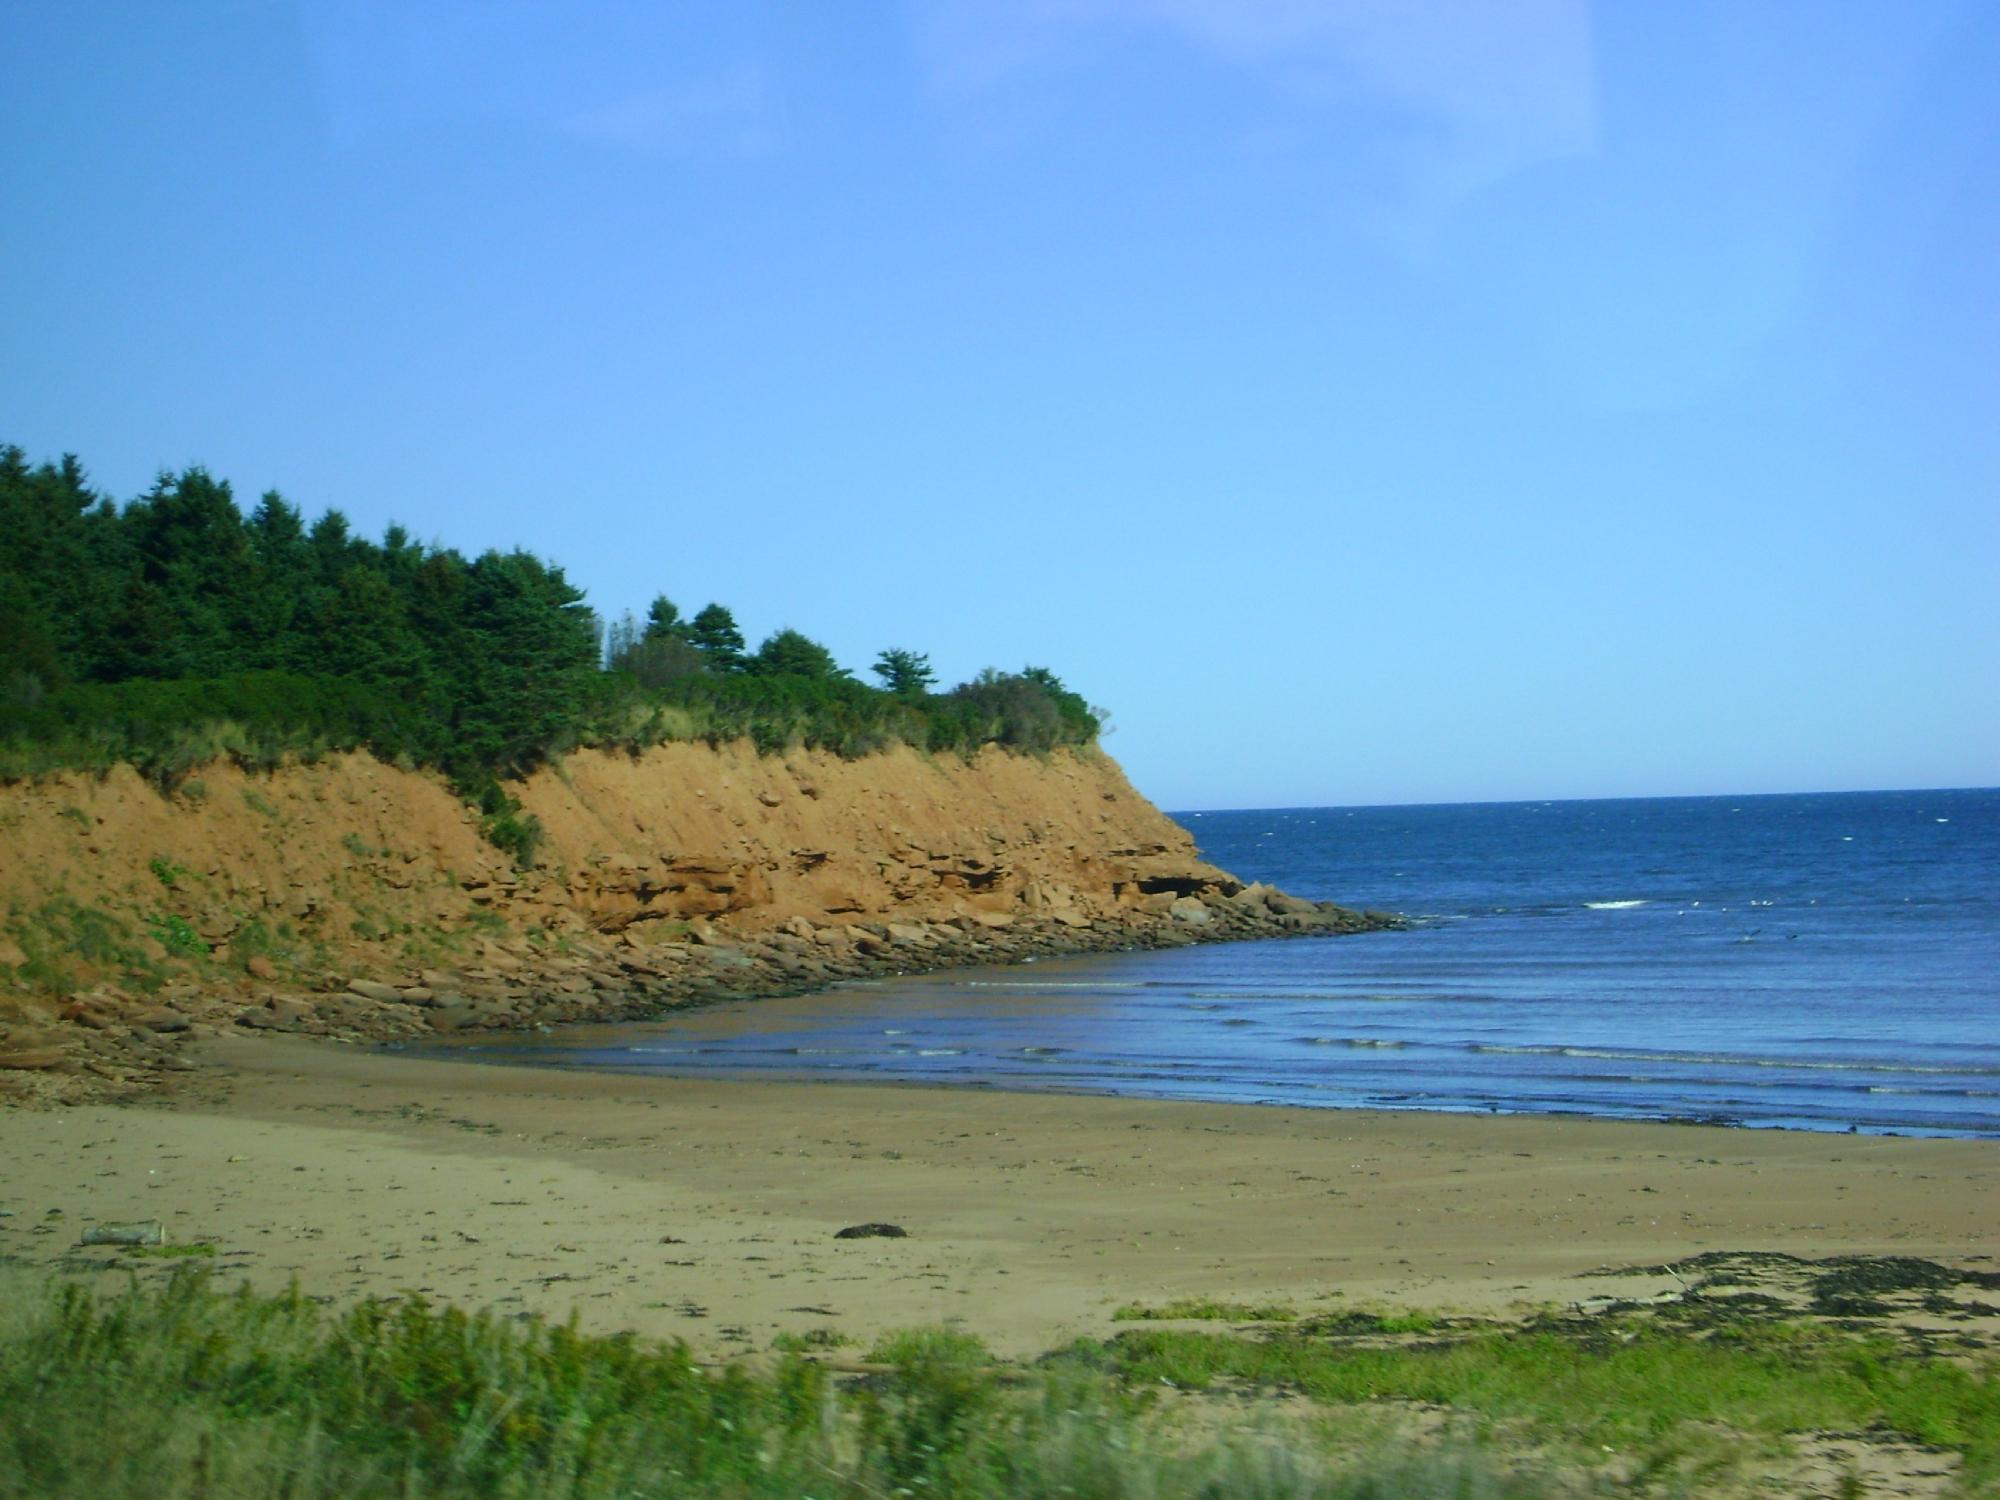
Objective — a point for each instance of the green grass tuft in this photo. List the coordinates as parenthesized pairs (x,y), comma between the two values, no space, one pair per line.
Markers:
(1206,1309)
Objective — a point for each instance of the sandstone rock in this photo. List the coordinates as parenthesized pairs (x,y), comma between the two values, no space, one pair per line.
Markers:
(370,989)
(162,1020)
(260,967)
(29,1059)
(1190,911)
(277,1014)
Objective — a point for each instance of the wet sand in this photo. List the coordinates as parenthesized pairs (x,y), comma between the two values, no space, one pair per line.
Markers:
(706,1210)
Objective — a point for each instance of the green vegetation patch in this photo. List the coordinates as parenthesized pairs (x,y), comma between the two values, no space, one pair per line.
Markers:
(1207,1309)
(63,940)
(177,1391)
(1622,1384)
(176,935)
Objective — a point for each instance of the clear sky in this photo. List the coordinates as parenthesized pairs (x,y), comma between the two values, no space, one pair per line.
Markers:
(1367,400)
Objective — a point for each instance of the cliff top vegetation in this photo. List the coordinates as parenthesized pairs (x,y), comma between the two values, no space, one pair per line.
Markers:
(177,628)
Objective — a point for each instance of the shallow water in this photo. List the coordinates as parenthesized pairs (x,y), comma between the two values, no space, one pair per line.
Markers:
(1822,961)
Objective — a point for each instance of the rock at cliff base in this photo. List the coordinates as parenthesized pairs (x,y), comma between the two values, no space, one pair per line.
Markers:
(27,1059)
(872,1232)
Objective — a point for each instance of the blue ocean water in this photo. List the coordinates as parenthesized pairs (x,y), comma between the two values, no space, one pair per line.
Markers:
(1813,961)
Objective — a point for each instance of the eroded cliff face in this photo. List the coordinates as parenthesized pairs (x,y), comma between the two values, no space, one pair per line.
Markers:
(684,831)
(352,898)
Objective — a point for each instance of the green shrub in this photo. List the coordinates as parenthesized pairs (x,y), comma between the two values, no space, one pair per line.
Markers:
(177,936)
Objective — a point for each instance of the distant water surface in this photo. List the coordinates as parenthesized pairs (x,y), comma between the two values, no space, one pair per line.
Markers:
(1815,961)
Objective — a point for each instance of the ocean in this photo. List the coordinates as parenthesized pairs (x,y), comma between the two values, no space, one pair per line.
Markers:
(1822,962)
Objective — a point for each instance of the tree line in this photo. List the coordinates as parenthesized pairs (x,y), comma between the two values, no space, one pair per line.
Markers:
(177,627)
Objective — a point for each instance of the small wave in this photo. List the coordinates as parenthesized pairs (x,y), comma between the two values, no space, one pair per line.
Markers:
(1726,1060)
(1043,1051)
(1045,984)
(940,1052)
(1349,1041)
(1613,905)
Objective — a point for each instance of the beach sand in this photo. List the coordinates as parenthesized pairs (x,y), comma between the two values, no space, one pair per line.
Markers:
(706,1210)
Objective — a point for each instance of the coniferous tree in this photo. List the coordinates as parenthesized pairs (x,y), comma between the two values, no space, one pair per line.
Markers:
(787,653)
(713,632)
(663,618)
(907,674)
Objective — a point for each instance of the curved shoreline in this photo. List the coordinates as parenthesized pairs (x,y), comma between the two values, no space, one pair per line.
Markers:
(1031,1218)
(109,1046)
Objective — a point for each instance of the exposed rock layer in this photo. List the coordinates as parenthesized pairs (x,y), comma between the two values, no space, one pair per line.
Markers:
(351,898)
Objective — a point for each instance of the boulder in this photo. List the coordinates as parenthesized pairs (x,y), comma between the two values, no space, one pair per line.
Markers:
(144,1232)
(1190,911)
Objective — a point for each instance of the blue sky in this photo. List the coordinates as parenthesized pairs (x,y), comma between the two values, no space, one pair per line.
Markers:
(1367,402)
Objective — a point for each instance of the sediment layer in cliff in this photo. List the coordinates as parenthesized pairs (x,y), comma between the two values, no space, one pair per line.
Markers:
(352,898)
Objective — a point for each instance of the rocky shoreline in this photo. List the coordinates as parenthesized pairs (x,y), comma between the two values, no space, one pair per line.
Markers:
(107,1043)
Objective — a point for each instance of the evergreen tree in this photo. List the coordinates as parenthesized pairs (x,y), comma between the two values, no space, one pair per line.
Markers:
(663,619)
(713,632)
(787,653)
(907,674)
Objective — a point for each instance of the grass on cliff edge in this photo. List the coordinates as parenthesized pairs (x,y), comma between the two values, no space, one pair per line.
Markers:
(178,1391)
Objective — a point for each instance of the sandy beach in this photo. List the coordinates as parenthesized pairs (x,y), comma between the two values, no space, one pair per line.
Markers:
(707,1210)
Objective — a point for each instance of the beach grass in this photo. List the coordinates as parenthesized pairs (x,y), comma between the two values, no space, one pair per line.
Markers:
(175,1389)
(1618,1385)
(1206,1310)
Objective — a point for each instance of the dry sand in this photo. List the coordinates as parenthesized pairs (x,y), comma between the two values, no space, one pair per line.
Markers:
(706,1210)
